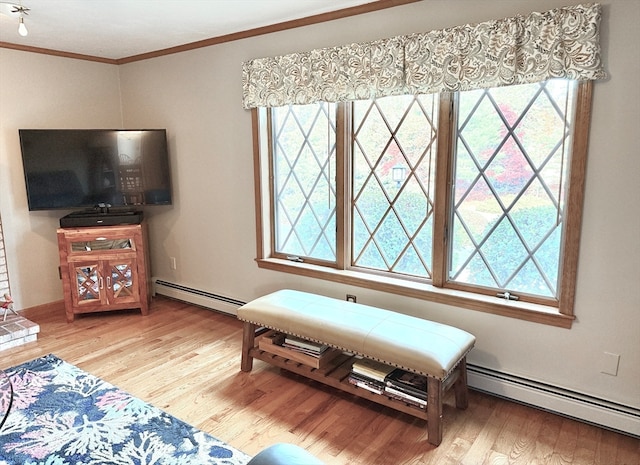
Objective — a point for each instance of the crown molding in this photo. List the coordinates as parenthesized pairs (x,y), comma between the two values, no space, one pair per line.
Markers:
(310,20)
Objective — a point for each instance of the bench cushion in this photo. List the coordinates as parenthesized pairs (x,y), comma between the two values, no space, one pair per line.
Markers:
(411,343)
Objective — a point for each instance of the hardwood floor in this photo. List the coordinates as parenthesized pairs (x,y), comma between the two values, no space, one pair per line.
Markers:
(186,360)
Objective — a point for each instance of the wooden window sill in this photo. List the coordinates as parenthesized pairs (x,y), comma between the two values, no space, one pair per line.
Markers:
(521,310)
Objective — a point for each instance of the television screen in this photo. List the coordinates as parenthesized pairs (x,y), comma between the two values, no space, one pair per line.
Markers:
(86,168)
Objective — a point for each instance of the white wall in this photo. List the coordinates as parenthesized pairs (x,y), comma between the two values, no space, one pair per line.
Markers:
(210,229)
(39,91)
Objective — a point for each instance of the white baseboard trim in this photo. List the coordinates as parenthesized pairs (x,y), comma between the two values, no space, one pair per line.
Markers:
(617,417)
(197,297)
(584,408)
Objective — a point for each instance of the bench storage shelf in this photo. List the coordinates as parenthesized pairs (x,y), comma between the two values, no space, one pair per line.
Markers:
(415,345)
(335,374)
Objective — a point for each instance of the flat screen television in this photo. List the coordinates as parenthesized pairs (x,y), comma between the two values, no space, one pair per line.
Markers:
(91,168)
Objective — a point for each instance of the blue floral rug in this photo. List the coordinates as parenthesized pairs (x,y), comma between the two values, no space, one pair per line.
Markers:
(62,415)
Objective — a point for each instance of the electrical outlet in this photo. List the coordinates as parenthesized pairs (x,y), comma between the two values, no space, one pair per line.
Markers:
(174,264)
(351,298)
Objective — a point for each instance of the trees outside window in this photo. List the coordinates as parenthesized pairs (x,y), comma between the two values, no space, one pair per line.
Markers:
(512,154)
(477,191)
(304,186)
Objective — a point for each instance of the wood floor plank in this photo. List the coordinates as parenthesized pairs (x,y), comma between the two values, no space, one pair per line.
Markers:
(525,442)
(587,444)
(186,360)
(510,432)
(627,449)
(566,445)
(546,440)
(482,446)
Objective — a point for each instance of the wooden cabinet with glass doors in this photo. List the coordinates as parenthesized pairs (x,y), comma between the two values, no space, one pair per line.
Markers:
(104,268)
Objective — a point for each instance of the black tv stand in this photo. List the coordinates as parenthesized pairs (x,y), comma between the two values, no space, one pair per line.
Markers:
(101,217)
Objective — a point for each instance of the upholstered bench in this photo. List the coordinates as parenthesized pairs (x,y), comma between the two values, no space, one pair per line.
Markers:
(420,346)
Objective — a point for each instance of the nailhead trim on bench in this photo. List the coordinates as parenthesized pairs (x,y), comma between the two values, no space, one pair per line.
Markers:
(421,346)
(384,333)
(354,352)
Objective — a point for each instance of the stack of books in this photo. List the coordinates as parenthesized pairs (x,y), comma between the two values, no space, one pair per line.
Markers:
(392,382)
(370,375)
(302,351)
(313,349)
(407,387)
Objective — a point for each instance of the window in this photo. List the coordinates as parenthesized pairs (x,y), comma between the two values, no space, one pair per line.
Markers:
(304,199)
(472,199)
(512,148)
(393,162)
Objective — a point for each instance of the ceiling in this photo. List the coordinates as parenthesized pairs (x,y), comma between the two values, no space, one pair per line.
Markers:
(117,29)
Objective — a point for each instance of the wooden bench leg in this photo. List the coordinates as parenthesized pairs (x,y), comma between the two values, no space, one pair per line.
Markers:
(248,340)
(460,387)
(434,410)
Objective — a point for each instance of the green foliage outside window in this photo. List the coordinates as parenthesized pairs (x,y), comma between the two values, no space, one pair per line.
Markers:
(511,159)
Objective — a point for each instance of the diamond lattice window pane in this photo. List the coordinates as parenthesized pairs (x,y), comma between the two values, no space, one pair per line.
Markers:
(423,242)
(484,131)
(510,169)
(391,234)
(535,223)
(372,258)
(412,264)
(479,210)
(508,172)
(371,204)
(503,252)
(372,135)
(463,251)
(410,202)
(393,164)
(304,180)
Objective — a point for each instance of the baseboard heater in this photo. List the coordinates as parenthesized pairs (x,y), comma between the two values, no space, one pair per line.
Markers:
(600,412)
(565,402)
(197,297)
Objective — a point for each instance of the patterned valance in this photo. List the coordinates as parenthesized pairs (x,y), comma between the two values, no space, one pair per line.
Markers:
(560,43)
